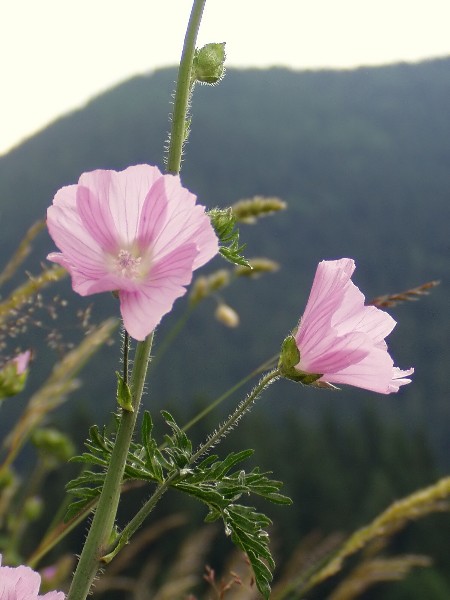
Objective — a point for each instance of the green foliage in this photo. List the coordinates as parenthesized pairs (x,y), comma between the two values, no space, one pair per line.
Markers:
(214,482)
(224,222)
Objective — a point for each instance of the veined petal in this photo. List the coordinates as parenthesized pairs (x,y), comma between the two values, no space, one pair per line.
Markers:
(184,222)
(330,286)
(341,338)
(376,323)
(373,373)
(124,192)
(69,234)
(97,219)
(142,310)
(343,352)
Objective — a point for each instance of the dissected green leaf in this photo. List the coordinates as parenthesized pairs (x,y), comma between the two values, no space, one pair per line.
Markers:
(224,222)
(218,484)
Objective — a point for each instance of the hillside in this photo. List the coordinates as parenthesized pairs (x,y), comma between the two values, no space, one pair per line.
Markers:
(360,156)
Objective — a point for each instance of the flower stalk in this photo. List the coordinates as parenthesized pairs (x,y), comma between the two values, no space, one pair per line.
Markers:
(103,522)
(183,90)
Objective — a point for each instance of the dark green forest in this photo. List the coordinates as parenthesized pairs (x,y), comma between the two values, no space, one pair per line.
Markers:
(362,159)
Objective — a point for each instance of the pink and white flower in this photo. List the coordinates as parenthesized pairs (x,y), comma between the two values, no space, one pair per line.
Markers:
(136,232)
(342,340)
(22,583)
(21,361)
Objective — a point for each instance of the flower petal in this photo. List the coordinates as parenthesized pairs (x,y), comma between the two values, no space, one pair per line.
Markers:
(124,193)
(142,310)
(96,218)
(343,340)
(79,249)
(374,373)
(184,221)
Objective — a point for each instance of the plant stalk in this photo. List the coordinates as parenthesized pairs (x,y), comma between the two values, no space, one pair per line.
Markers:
(183,90)
(102,526)
(103,522)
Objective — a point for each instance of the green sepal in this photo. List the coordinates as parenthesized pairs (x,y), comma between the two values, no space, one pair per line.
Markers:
(289,358)
(123,394)
(11,382)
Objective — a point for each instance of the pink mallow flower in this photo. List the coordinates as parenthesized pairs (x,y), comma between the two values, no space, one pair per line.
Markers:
(22,583)
(136,232)
(21,361)
(339,340)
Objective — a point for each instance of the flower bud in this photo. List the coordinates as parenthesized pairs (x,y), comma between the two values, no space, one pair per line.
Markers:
(32,508)
(53,444)
(14,375)
(124,398)
(208,63)
(227,315)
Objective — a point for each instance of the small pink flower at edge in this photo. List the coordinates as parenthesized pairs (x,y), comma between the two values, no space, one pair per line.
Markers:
(21,361)
(17,583)
(136,232)
(342,341)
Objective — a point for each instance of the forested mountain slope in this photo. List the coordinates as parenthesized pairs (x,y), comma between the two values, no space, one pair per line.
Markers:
(362,158)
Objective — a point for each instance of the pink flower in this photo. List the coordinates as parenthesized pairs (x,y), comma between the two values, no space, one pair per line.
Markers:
(136,232)
(21,361)
(342,340)
(22,583)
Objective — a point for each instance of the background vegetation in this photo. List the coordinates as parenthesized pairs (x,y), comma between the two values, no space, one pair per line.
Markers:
(361,157)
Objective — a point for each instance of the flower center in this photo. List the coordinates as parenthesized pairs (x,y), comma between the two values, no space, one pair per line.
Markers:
(128,265)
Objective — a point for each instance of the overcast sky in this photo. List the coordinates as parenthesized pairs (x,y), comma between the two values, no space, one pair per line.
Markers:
(56,54)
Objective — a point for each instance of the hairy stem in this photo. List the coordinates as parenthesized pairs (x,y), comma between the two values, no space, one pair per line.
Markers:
(183,90)
(101,529)
(238,413)
(103,522)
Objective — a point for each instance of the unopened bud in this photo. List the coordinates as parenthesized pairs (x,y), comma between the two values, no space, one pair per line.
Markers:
(227,315)
(32,508)
(208,64)
(14,375)
(53,444)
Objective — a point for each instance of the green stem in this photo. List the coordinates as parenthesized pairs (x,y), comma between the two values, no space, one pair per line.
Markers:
(103,522)
(236,416)
(199,416)
(143,513)
(239,412)
(183,91)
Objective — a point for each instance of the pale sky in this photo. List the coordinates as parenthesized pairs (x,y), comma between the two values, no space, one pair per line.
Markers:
(57,54)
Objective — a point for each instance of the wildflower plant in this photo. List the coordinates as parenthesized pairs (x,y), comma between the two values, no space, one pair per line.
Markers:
(140,234)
